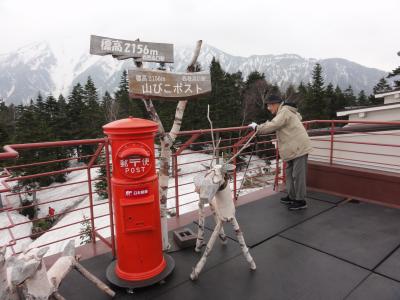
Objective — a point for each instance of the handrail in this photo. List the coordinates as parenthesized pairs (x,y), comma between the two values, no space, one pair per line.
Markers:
(330,148)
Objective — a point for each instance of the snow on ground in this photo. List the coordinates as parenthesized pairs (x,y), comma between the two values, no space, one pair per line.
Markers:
(189,167)
(18,231)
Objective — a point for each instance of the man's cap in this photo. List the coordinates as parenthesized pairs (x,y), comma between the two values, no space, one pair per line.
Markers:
(274,99)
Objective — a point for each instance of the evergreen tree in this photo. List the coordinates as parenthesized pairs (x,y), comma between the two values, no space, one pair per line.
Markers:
(331,101)
(362,99)
(225,97)
(109,108)
(349,97)
(7,123)
(34,125)
(76,110)
(61,120)
(381,87)
(94,117)
(313,105)
(75,113)
(127,107)
(395,73)
(55,114)
(101,183)
(340,102)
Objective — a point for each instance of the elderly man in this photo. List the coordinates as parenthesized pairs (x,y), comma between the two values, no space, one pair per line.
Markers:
(294,147)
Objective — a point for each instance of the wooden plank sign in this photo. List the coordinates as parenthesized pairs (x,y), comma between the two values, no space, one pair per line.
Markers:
(145,83)
(123,49)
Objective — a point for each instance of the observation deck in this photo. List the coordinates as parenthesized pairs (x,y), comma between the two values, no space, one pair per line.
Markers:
(345,245)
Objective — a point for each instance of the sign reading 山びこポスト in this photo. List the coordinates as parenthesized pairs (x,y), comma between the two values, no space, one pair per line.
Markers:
(174,86)
(123,49)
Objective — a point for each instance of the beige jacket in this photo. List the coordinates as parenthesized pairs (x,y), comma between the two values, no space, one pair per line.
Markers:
(293,140)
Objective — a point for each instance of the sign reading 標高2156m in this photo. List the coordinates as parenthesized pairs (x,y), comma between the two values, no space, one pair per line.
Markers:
(122,49)
(174,86)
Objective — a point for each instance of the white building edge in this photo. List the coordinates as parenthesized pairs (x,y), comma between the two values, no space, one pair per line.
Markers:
(384,155)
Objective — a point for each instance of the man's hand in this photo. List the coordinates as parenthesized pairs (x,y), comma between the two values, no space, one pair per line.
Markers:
(253,125)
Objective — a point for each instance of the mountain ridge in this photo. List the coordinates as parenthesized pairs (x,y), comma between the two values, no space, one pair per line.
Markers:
(54,68)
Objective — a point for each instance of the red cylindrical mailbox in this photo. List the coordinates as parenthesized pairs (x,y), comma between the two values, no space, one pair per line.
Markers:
(135,196)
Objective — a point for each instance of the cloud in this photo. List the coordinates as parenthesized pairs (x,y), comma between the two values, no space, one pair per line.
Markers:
(362,31)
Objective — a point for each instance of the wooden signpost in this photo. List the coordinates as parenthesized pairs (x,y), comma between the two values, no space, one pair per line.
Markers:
(140,51)
(170,86)
(147,84)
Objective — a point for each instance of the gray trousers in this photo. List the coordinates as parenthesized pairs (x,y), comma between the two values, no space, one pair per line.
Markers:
(296,177)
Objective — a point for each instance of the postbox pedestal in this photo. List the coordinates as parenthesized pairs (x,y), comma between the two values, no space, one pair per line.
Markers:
(129,284)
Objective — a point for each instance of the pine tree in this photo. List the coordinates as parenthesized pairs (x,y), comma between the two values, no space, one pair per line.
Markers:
(313,106)
(395,73)
(61,120)
(225,99)
(340,101)
(331,101)
(362,99)
(217,101)
(126,106)
(85,231)
(76,110)
(382,86)
(7,123)
(101,183)
(109,107)
(93,116)
(54,114)
(349,97)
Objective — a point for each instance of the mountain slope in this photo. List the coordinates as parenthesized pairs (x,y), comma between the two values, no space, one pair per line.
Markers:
(55,68)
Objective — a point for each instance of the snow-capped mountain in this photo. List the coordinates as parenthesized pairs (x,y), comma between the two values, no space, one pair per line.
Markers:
(55,68)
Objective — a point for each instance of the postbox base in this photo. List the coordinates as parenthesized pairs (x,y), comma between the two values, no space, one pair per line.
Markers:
(115,280)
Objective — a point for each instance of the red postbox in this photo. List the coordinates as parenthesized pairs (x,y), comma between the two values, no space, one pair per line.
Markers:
(140,260)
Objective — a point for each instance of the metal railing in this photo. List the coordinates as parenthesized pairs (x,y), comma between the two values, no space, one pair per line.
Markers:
(364,144)
(21,192)
(334,143)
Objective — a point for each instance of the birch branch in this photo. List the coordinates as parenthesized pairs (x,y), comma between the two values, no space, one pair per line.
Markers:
(100,285)
(180,108)
(196,53)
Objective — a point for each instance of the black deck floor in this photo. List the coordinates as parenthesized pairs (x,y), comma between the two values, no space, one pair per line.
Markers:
(329,251)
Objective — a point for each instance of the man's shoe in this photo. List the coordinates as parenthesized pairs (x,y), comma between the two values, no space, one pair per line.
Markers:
(286,200)
(297,205)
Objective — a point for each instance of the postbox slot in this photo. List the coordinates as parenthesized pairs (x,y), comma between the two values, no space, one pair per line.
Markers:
(135,152)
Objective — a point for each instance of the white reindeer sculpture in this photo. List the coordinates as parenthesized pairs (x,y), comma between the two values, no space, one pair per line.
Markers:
(25,276)
(213,188)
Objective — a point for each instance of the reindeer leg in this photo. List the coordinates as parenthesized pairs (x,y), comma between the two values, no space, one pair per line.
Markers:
(242,243)
(200,231)
(221,234)
(199,266)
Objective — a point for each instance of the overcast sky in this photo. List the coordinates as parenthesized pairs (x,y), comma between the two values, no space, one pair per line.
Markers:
(363,31)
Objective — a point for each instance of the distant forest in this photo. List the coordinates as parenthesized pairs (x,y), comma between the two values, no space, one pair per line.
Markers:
(233,102)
